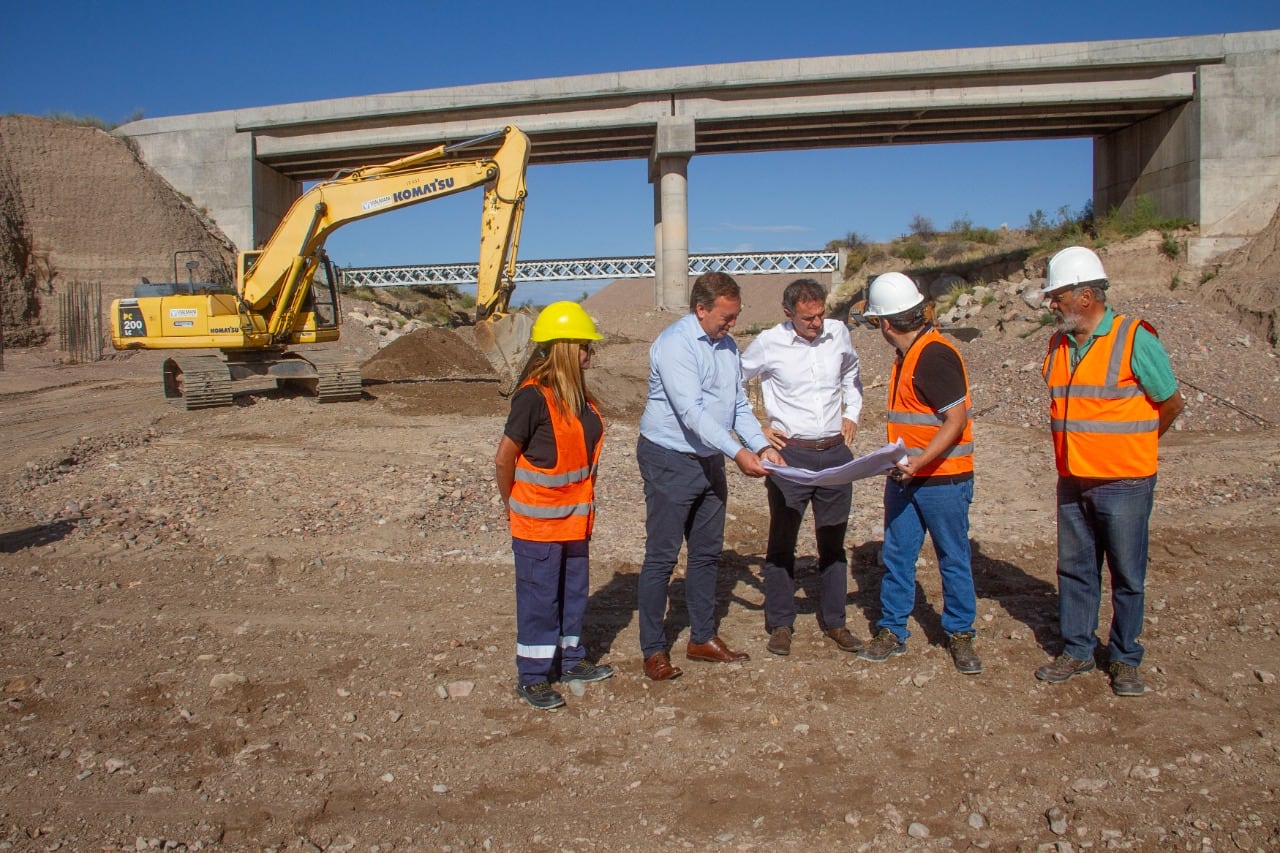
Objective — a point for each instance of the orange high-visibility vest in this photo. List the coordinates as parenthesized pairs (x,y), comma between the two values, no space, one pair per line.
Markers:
(1104,425)
(557,504)
(912,420)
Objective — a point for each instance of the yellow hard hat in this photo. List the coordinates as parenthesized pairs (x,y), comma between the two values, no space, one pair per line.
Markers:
(564,321)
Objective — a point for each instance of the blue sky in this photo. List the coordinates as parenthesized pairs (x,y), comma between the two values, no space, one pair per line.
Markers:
(111,60)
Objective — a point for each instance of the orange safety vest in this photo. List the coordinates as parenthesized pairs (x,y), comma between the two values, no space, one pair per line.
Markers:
(1104,425)
(912,420)
(557,504)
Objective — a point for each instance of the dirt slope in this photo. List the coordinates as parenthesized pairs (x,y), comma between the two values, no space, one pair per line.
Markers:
(83,208)
(1248,283)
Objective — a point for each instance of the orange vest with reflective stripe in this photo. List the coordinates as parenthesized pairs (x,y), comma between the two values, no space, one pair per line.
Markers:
(1104,425)
(912,420)
(557,504)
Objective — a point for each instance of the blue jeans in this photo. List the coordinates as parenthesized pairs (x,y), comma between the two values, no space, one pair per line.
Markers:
(1100,519)
(943,511)
(684,504)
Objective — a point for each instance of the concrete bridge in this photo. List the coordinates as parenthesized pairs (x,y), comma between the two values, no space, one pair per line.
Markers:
(1192,122)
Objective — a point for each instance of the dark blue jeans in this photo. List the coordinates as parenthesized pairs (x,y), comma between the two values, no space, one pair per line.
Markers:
(552,587)
(684,499)
(1097,520)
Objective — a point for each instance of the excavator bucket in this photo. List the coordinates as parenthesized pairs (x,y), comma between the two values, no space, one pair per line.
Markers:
(505,342)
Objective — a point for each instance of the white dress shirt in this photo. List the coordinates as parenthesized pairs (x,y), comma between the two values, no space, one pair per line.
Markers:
(808,386)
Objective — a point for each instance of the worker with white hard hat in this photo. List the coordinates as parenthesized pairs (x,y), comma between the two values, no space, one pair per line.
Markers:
(1112,394)
(930,411)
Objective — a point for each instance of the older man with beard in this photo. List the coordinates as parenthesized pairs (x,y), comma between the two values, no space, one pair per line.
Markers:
(1112,395)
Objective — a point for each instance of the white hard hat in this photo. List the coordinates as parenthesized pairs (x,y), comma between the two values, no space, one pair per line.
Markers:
(1072,266)
(891,293)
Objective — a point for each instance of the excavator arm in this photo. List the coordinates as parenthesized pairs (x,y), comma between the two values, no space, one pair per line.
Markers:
(277,281)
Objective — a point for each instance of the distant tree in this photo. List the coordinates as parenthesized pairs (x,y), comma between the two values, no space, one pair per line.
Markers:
(922,227)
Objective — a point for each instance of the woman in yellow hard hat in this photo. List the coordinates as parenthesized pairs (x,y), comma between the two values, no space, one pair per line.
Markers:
(546,470)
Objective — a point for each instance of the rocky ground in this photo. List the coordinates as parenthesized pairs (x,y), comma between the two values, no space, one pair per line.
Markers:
(289,626)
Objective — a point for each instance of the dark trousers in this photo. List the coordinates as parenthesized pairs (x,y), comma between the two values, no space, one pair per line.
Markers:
(787,504)
(684,500)
(552,587)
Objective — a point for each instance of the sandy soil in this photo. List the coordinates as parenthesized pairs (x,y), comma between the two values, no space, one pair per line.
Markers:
(289,626)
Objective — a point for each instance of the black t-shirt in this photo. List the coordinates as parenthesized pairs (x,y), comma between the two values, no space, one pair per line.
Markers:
(529,426)
(939,377)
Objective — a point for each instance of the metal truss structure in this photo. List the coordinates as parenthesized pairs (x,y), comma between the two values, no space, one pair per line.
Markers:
(594,269)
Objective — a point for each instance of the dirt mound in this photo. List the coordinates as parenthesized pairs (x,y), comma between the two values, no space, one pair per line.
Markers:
(92,212)
(429,353)
(1249,283)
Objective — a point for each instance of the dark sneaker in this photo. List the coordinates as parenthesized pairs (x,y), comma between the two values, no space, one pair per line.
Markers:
(883,646)
(780,641)
(540,696)
(583,671)
(843,639)
(1063,667)
(963,654)
(1125,680)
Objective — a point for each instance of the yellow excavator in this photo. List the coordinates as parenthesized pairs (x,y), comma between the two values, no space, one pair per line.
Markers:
(286,293)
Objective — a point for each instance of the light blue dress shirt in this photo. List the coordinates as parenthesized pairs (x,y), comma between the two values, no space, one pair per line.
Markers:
(696,401)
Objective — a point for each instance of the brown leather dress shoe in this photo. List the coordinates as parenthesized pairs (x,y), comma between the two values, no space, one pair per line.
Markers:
(780,641)
(714,651)
(658,667)
(844,639)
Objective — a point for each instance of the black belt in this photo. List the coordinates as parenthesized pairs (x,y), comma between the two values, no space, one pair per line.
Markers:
(816,443)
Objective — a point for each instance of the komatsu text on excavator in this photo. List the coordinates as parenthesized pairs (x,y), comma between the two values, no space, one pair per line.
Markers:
(286,293)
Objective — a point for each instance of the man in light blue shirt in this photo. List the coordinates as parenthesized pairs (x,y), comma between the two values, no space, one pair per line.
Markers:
(695,406)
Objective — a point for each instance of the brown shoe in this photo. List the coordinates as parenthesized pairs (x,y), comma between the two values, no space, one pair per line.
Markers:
(844,640)
(1063,667)
(779,641)
(658,667)
(714,651)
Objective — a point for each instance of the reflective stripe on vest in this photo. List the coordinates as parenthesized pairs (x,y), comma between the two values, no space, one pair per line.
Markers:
(556,504)
(912,420)
(1104,426)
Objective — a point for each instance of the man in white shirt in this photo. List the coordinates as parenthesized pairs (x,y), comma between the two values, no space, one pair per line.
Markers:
(813,397)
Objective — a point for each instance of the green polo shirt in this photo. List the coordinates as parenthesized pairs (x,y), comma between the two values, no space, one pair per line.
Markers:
(1149,362)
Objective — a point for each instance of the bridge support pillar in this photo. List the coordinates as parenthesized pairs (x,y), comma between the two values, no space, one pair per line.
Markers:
(669,172)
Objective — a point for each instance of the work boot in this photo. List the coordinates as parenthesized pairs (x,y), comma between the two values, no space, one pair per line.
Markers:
(780,641)
(1063,667)
(540,696)
(883,646)
(1125,680)
(963,654)
(583,671)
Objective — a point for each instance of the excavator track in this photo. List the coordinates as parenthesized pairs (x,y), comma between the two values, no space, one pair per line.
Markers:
(197,382)
(337,375)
